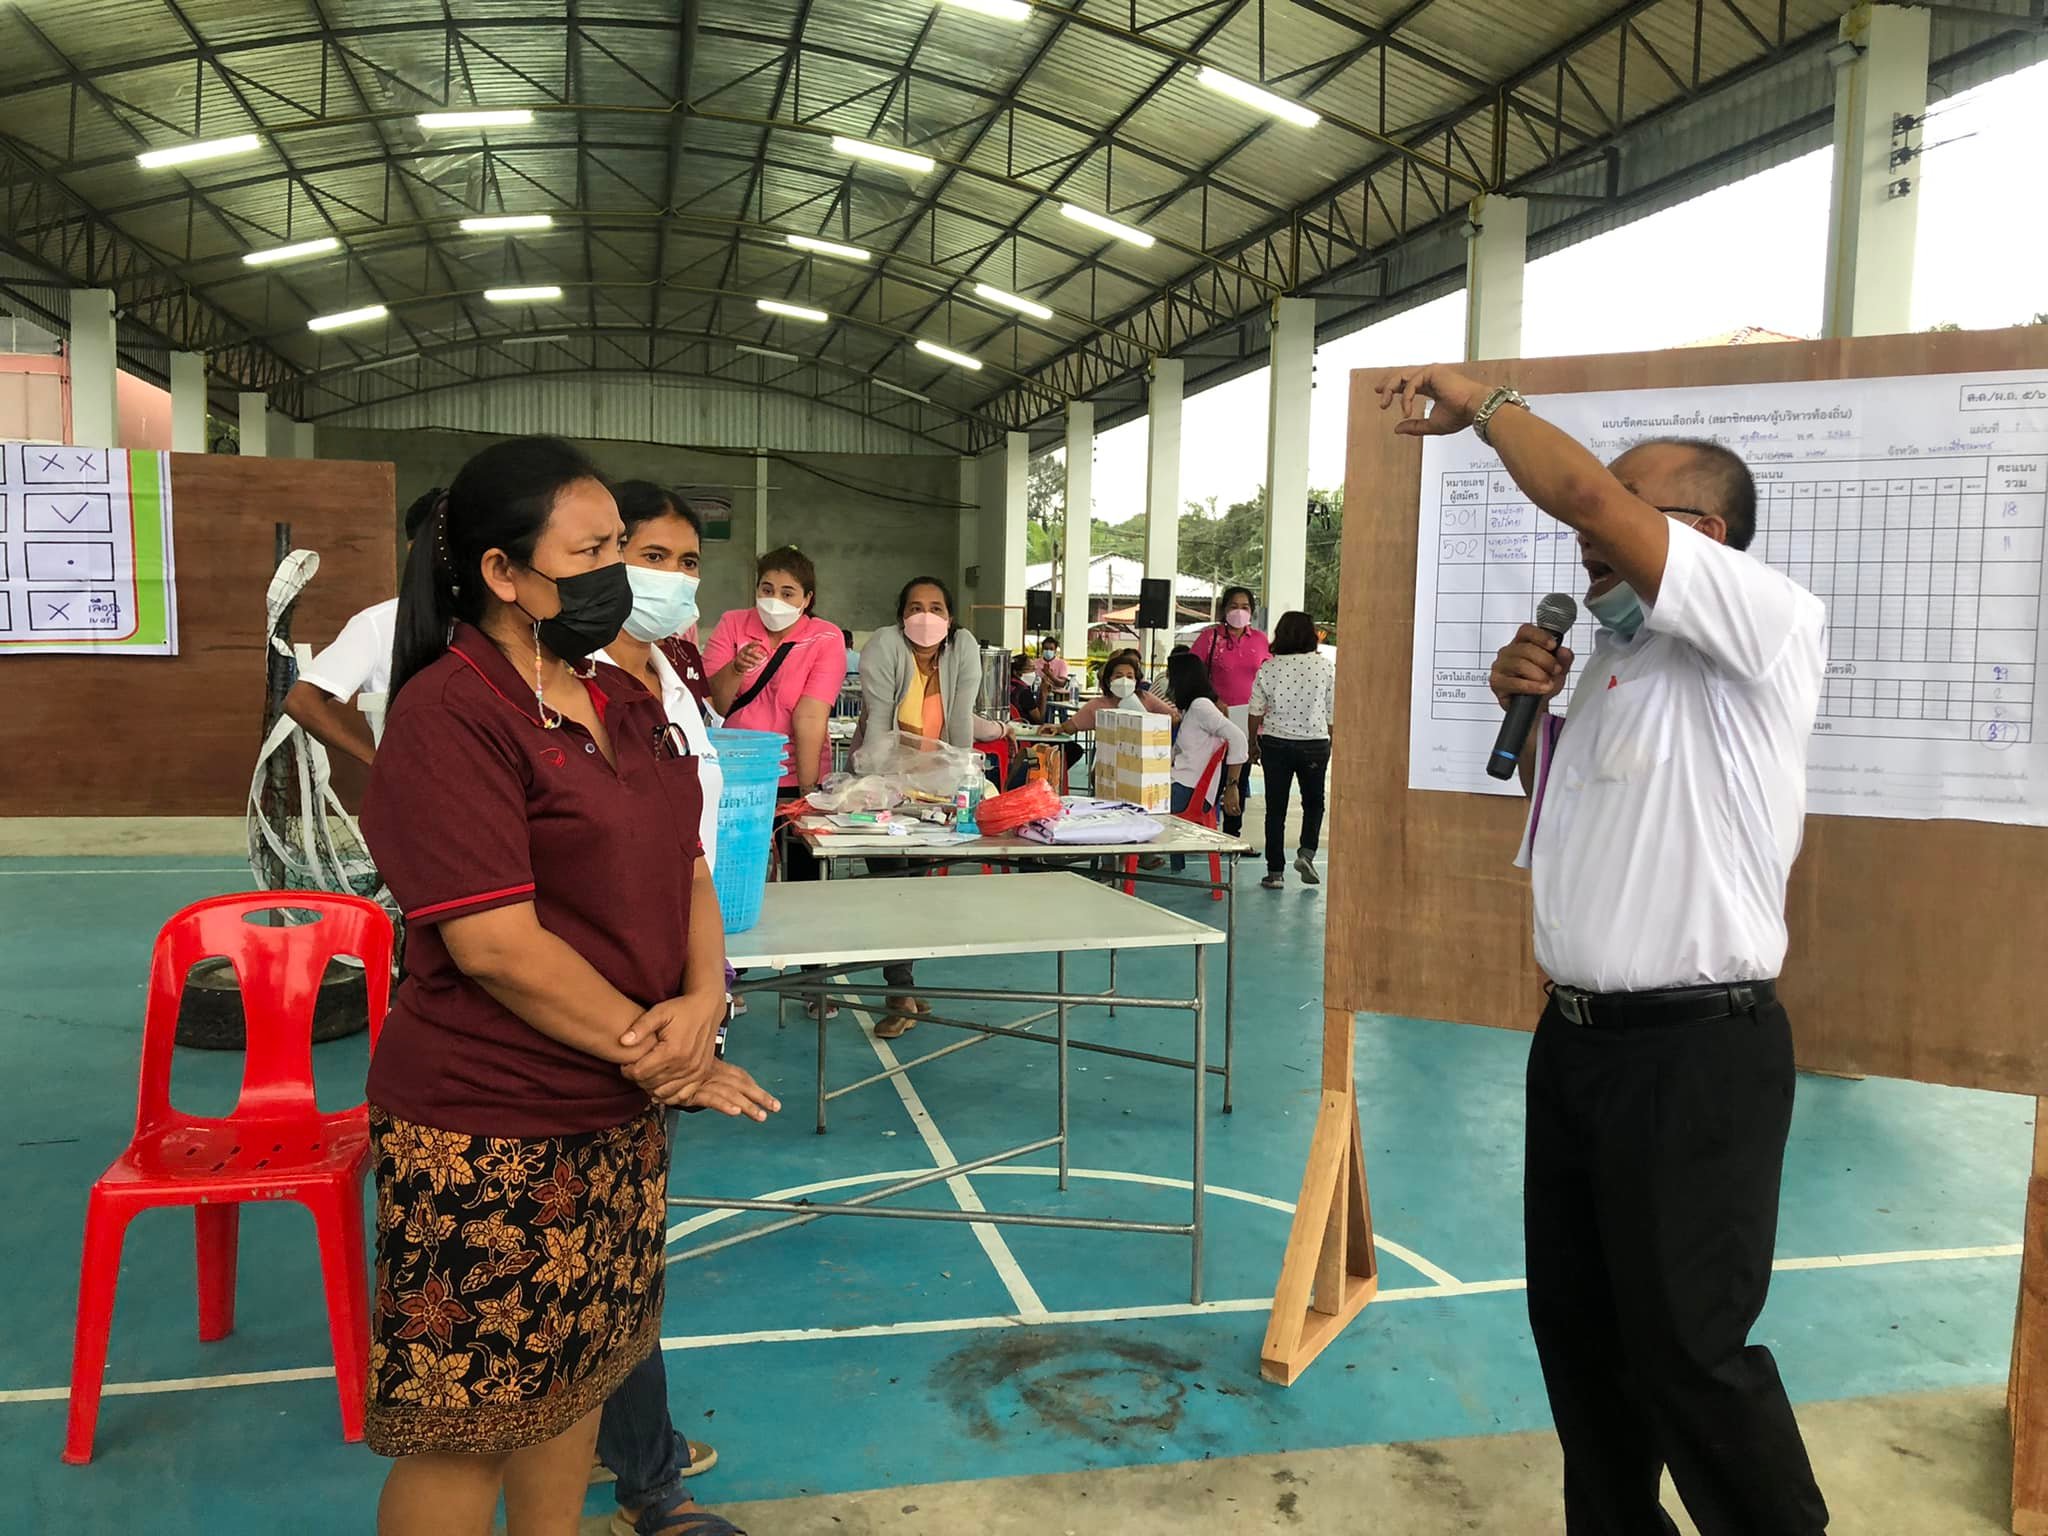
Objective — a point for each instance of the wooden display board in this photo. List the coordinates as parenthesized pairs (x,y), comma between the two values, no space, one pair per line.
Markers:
(1915,946)
(178,735)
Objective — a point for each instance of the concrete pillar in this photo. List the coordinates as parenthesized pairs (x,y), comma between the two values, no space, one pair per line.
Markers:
(1162,477)
(1292,379)
(1496,251)
(95,405)
(1880,76)
(255,424)
(1015,546)
(969,539)
(1073,618)
(300,438)
(278,445)
(761,544)
(188,402)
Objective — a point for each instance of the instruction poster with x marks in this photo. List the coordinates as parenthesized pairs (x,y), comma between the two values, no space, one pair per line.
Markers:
(86,563)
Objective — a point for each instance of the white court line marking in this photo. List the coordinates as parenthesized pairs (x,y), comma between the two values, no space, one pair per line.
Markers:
(1043,1319)
(1405,1254)
(1022,1294)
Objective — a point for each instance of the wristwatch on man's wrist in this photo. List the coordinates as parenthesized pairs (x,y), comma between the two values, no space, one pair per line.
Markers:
(1507,394)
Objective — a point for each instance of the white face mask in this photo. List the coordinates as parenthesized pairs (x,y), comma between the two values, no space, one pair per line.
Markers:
(776,614)
(1122,687)
(664,603)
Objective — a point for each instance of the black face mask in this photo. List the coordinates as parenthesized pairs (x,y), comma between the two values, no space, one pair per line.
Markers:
(594,607)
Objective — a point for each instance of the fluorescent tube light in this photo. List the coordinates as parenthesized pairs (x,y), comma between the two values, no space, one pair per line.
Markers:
(826,247)
(791,311)
(203,149)
(884,154)
(514,117)
(500,222)
(945,355)
(908,394)
(299,252)
(1022,305)
(527,295)
(1107,225)
(346,317)
(1258,96)
(1001,10)
(780,357)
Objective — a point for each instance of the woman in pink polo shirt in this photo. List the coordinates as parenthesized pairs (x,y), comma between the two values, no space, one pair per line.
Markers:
(778,667)
(1233,651)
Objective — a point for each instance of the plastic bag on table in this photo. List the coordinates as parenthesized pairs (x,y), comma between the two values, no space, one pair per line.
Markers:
(1017,808)
(840,794)
(919,766)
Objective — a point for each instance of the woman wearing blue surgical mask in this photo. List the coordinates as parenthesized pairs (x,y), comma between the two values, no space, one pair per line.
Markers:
(637,1440)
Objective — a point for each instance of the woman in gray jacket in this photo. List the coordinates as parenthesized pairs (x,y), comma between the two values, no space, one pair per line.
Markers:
(920,677)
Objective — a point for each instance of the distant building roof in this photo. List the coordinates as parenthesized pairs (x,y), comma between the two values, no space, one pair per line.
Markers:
(1117,576)
(1744,336)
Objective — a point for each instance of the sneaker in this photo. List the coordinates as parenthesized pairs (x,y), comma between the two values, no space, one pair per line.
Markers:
(1274,882)
(1305,866)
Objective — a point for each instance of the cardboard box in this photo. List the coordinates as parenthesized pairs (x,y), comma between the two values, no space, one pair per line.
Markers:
(1134,758)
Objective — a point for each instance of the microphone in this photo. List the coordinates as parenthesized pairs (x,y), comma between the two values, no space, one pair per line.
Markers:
(1555,615)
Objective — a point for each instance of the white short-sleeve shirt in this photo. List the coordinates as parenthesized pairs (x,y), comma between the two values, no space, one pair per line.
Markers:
(1296,696)
(1667,815)
(680,705)
(359,660)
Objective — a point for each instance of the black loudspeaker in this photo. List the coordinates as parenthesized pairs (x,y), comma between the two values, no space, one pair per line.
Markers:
(1038,610)
(1155,603)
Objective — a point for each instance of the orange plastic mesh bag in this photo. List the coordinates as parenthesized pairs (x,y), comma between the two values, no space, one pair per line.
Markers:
(1035,801)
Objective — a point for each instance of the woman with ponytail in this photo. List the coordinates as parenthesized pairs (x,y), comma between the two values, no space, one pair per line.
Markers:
(537,817)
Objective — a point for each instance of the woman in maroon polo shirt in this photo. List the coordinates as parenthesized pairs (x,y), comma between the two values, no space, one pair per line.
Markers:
(537,819)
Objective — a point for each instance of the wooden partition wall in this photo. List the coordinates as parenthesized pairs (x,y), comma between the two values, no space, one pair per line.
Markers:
(1916,945)
(178,735)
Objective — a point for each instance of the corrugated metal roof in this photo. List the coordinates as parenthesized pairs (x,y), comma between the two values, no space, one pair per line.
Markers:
(670,225)
(642,409)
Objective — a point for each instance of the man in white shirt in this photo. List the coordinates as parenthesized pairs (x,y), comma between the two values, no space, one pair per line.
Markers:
(1666,809)
(359,661)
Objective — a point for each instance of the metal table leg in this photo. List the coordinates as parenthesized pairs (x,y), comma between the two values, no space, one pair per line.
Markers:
(1230,977)
(1201,1121)
(1062,984)
(822,1012)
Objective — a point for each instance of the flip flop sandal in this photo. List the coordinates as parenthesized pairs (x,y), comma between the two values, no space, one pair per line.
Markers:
(676,1516)
(702,1459)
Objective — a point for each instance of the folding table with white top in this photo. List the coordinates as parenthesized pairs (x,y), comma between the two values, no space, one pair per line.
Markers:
(813,926)
(840,854)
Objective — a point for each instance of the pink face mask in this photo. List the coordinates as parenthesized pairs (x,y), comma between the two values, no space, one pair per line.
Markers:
(1238,618)
(927,629)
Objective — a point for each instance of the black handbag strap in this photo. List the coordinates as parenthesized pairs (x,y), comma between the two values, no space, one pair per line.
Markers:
(767,676)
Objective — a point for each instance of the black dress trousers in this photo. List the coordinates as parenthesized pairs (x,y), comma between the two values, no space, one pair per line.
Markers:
(1651,1213)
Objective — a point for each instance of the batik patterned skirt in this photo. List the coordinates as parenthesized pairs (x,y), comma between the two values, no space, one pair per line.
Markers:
(519,1280)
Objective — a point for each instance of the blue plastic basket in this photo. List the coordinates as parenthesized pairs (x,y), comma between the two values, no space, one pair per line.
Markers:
(753,763)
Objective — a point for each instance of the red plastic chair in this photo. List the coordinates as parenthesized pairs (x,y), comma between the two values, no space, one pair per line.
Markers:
(1201,810)
(276,1145)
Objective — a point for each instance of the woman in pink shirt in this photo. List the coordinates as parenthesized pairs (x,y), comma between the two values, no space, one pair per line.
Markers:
(778,667)
(1233,651)
(1123,687)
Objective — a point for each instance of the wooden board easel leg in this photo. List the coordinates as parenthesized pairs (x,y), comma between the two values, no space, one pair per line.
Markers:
(1331,1269)
(2026,1393)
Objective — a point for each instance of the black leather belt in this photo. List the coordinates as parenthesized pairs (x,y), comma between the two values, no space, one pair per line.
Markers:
(1672,1005)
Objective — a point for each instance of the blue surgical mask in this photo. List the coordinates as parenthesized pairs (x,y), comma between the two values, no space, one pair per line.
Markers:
(1618,609)
(664,603)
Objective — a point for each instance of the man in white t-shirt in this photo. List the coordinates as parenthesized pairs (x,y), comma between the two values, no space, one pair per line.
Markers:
(1666,809)
(358,662)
